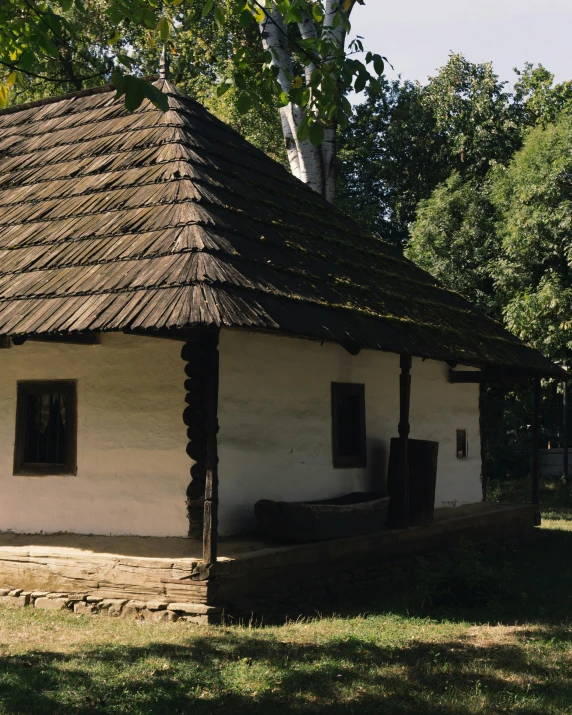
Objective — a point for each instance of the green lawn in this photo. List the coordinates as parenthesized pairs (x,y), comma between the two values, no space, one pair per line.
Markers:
(487,635)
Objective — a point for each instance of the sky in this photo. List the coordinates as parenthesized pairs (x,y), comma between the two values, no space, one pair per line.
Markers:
(417,35)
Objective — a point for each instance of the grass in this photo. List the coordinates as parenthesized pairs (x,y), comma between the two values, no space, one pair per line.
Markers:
(498,640)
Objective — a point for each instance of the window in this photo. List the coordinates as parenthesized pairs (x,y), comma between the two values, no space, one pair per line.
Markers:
(348,425)
(462,446)
(46,428)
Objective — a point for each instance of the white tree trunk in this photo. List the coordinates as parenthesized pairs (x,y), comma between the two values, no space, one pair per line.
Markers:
(313,165)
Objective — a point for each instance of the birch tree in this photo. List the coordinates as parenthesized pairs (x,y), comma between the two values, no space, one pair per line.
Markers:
(306,69)
(310,129)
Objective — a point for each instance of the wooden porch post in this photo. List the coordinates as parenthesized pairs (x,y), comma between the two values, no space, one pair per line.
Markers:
(403,429)
(535,445)
(565,430)
(201,418)
(210,521)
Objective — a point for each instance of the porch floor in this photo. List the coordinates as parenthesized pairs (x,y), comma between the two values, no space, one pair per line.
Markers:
(174,548)
(146,567)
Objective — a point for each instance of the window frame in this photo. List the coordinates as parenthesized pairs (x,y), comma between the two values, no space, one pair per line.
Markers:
(35,387)
(462,440)
(359,460)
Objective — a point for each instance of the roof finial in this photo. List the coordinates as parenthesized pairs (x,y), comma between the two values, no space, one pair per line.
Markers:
(164,64)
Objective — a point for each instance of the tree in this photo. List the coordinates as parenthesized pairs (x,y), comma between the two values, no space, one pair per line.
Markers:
(538,100)
(305,68)
(534,276)
(454,238)
(462,121)
(390,158)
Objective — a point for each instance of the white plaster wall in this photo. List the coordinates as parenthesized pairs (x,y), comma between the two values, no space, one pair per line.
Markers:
(132,467)
(275,423)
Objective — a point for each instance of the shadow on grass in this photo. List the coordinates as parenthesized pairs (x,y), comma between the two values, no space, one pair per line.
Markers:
(236,670)
(347,676)
(232,670)
(529,584)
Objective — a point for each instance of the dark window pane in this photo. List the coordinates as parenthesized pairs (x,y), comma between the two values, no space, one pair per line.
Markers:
(349,425)
(45,439)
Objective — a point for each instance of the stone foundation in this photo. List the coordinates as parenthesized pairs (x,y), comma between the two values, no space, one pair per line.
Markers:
(83,604)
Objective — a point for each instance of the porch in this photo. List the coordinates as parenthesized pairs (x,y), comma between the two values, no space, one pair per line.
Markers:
(166,570)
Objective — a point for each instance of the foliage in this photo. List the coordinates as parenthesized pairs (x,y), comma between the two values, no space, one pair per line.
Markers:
(200,54)
(538,100)
(506,436)
(34,32)
(534,275)
(390,157)
(455,230)
(404,142)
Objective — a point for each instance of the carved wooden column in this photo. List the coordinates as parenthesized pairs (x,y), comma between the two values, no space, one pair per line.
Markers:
(201,418)
(536,400)
(403,429)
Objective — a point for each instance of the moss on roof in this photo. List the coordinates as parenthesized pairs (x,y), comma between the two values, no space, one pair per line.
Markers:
(147,221)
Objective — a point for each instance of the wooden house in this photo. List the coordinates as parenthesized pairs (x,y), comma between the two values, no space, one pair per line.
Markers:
(181,321)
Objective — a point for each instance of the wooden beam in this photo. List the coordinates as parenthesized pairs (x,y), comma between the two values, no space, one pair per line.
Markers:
(403,429)
(210,522)
(490,376)
(536,401)
(485,376)
(72,339)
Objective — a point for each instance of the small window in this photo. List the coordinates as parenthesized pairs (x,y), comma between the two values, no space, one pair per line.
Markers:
(462,446)
(348,425)
(46,428)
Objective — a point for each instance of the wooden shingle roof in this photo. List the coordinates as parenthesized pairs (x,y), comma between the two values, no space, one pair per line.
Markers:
(153,221)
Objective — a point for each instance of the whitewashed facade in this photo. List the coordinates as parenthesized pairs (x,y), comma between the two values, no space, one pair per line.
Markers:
(274,438)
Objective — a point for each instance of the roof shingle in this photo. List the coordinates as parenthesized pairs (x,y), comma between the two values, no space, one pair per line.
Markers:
(151,220)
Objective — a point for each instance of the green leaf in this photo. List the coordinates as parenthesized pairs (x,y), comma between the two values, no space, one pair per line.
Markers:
(80,7)
(303,129)
(207,7)
(378,64)
(360,82)
(317,12)
(66,5)
(246,18)
(259,14)
(159,99)
(115,15)
(3,95)
(219,16)
(316,133)
(375,85)
(244,103)
(163,28)
(134,93)
(114,38)
(224,87)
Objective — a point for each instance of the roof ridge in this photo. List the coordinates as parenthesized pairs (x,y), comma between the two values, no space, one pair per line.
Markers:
(98,89)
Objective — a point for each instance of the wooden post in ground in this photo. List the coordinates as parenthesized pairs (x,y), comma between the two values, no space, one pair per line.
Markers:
(210,523)
(565,430)
(201,418)
(536,399)
(403,429)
